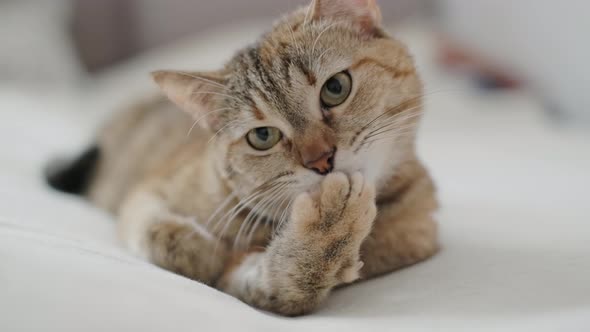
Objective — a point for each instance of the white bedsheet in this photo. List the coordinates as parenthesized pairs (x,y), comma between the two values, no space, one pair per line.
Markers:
(515,227)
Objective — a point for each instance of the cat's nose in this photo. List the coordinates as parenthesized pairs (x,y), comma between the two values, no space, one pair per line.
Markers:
(321,162)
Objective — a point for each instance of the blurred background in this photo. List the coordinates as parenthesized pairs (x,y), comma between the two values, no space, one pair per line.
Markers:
(538,44)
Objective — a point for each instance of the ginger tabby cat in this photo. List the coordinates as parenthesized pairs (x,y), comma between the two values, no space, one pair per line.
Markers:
(299,174)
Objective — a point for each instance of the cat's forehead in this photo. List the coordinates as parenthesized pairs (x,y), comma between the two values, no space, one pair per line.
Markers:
(289,63)
(273,80)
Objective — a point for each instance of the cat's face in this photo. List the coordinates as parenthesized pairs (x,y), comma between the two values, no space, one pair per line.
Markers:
(326,90)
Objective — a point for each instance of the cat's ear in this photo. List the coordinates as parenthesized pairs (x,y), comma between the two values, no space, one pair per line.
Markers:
(195,93)
(363,13)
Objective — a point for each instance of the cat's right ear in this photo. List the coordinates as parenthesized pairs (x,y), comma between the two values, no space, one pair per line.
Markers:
(195,93)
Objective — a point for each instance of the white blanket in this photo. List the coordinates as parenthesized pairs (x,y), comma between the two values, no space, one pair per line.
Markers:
(514,225)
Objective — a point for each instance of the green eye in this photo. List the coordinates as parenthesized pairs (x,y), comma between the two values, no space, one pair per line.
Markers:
(264,138)
(336,90)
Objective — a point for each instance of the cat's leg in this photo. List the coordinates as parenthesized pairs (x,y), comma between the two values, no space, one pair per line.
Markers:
(404,233)
(317,251)
(171,241)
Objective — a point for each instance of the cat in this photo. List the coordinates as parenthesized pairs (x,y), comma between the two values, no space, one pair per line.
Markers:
(299,172)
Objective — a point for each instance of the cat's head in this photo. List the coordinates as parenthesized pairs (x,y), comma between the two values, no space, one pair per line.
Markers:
(326,90)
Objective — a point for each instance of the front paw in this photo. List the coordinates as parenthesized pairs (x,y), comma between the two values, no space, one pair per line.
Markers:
(345,206)
(336,222)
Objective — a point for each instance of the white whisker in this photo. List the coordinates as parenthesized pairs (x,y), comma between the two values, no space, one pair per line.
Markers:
(388,112)
(220,208)
(295,44)
(398,119)
(262,216)
(255,194)
(316,42)
(241,206)
(319,59)
(284,216)
(395,135)
(280,203)
(216,94)
(203,117)
(229,124)
(217,84)
(257,209)
(308,14)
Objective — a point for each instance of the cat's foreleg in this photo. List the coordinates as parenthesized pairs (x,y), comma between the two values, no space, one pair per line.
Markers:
(317,251)
(171,241)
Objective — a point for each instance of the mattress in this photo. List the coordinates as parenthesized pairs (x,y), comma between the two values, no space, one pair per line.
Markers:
(515,225)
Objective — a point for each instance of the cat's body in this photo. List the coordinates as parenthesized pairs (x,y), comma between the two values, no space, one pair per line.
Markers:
(300,176)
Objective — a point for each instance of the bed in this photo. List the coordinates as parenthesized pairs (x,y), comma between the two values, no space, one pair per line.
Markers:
(515,222)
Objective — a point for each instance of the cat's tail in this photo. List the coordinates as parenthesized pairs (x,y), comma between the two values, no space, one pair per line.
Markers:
(74,177)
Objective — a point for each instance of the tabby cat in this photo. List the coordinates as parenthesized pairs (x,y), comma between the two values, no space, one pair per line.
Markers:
(298,173)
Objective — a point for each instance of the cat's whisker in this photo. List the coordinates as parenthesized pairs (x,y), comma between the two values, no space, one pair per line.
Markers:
(286,213)
(407,101)
(239,208)
(397,120)
(398,108)
(390,130)
(284,216)
(391,121)
(278,208)
(219,85)
(226,221)
(319,59)
(229,124)
(383,116)
(415,98)
(396,135)
(272,204)
(255,194)
(220,208)
(295,44)
(308,15)
(407,117)
(406,114)
(203,117)
(316,42)
(388,116)
(257,209)
(216,94)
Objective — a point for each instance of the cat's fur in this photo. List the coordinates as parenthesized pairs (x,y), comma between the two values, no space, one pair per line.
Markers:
(293,235)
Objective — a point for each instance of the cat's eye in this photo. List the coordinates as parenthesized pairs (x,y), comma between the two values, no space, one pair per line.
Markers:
(336,90)
(264,138)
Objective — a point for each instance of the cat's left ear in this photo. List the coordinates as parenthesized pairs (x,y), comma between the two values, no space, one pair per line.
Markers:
(363,13)
(195,93)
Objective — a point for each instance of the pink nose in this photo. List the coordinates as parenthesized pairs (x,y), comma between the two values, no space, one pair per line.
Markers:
(322,162)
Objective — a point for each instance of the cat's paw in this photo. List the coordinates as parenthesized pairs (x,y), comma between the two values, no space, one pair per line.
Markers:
(351,273)
(347,205)
(335,222)
(344,206)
